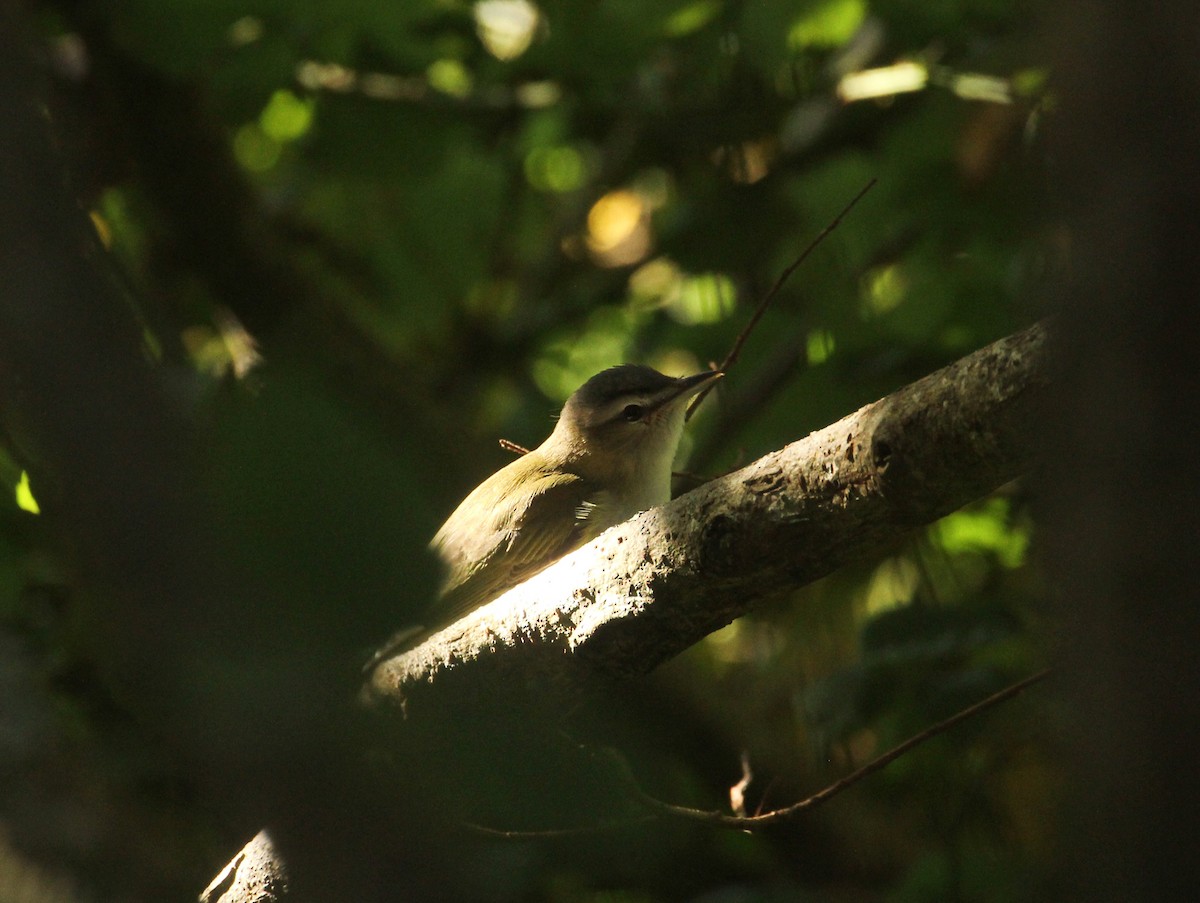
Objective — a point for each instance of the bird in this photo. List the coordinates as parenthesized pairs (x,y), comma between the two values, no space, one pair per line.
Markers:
(608,457)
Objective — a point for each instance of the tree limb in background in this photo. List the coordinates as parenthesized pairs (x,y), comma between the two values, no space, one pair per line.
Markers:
(762,820)
(656,808)
(647,589)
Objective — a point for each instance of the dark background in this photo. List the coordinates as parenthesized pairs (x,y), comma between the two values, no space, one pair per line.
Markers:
(279,275)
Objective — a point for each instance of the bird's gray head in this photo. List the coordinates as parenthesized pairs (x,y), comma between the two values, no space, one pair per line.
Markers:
(629,410)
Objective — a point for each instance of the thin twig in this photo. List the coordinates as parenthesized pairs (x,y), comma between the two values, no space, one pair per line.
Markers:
(735,352)
(660,807)
(513,447)
(657,808)
(552,833)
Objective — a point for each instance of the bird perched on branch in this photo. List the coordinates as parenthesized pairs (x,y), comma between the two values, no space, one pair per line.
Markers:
(608,458)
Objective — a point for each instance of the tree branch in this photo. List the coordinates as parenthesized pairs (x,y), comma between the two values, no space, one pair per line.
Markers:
(764,819)
(649,588)
(739,820)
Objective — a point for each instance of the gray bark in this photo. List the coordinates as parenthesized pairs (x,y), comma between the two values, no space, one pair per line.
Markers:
(649,588)
(257,874)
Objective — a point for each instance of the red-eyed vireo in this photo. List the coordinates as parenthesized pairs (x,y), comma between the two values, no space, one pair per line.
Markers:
(608,458)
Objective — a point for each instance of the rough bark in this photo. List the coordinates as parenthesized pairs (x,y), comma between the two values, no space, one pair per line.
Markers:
(257,874)
(647,589)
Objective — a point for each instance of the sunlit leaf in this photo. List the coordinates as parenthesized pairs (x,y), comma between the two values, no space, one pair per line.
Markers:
(286,117)
(829,24)
(705,298)
(557,168)
(985,528)
(256,150)
(819,345)
(691,17)
(24,495)
(450,77)
(506,27)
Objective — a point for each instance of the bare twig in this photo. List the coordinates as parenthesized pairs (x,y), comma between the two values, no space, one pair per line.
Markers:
(553,833)
(736,351)
(659,807)
(513,447)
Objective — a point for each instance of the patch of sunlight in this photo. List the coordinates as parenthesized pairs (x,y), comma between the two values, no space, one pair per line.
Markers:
(116,219)
(103,231)
(653,186)
(450,77)
(1028,82)
(725,644)
(984,528)
(227,348)
(894,583)
(506,28)
(245,30)
(690,18)
(819,346)
(618,229)
(744,642)
(286,117)
(385,86)
(866,84)
(568,361)
(974,86)
(654,282)
(704,298)
(883,290)
(828,24)
(613,219)
(676,362)
(24,495)
(538,95)
(318,76)
(254,149)
(559,168)
(751,161)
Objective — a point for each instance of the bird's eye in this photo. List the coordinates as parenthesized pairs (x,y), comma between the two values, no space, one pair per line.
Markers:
(632,412)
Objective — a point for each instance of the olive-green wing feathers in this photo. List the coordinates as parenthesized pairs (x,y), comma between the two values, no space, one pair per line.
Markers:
(489,544)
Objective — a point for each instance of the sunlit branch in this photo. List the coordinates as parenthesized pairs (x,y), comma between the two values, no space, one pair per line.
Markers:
(647,589)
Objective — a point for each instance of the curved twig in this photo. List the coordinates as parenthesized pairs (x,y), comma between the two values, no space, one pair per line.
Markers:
(745,822)
(736,351)
(656,808)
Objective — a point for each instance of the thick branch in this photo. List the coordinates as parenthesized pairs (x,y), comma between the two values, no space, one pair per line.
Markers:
(647,589)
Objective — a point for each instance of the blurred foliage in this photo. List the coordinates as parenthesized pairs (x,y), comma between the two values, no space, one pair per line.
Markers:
(367,239)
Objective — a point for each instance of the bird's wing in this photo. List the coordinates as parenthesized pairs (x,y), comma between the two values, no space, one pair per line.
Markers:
(485,559)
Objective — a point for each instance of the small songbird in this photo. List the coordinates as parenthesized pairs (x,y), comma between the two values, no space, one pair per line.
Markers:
(608,458)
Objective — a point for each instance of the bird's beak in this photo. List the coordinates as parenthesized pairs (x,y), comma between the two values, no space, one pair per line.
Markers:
(684,388)
(687,386)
